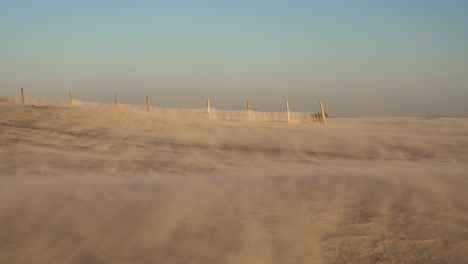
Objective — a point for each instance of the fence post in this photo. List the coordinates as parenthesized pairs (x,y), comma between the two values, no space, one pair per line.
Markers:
(116,97)
(208,107)
(324,118)
(22,95)
(287,110)
(147,103)
(248,111)
(71,97)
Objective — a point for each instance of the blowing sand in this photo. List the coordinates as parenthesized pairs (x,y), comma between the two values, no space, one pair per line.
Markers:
(96,185)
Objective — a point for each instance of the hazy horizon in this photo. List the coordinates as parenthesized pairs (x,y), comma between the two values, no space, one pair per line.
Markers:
(367,59)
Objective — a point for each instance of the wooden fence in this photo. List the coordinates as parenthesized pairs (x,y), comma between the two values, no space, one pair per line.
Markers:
(205,113)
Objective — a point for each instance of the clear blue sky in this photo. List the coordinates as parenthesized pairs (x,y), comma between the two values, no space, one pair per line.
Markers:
(360,57)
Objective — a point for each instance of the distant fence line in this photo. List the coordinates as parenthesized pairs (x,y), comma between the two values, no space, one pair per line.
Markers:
(204,113)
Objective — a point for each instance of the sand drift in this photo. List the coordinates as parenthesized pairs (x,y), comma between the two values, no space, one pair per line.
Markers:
(100,185)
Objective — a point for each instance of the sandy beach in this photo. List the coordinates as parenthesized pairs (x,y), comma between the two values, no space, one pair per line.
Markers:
(103,185)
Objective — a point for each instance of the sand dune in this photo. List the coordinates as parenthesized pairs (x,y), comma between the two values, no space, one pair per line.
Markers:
(101,185)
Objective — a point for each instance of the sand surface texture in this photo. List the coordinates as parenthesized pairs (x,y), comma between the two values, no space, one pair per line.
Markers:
(97,185)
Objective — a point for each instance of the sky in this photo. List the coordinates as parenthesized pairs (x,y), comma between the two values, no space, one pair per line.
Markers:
(361,58)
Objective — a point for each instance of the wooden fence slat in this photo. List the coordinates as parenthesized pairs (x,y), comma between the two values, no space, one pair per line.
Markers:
(208,108)
(324,118)
(248,111)
(22,95)
(147,103)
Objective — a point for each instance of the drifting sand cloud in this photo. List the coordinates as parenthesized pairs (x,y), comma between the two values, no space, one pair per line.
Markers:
(97,185)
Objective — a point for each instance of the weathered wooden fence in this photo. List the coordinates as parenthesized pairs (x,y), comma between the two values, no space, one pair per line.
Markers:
(205,113)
